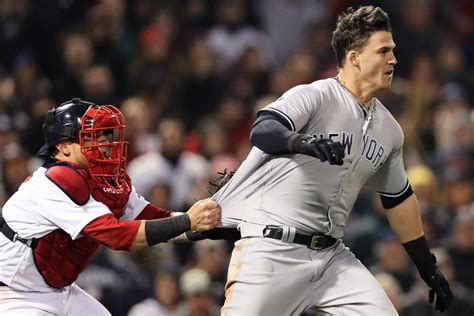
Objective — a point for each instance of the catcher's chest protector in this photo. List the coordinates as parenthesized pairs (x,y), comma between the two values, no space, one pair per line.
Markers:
(114,200)
(58,258)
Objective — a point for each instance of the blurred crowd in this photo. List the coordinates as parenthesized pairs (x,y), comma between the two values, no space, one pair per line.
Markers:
(189,76)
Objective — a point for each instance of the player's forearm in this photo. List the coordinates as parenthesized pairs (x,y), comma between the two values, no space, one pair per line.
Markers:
(405,220)
(140,241)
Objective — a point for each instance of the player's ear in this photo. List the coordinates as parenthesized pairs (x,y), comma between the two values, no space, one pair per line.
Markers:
(63,148)
(354,58)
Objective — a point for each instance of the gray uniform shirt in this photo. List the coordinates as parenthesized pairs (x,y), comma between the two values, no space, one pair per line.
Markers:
(301,191)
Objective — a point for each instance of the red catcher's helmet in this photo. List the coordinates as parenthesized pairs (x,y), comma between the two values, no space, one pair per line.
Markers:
(103,144)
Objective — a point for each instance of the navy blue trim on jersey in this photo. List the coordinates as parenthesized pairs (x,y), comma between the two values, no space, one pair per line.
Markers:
(284,116)
(390,200)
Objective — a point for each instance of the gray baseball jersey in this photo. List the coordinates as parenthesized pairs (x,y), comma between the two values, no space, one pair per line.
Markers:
(303,192)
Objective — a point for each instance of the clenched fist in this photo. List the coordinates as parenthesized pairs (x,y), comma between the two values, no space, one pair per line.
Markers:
(204,215)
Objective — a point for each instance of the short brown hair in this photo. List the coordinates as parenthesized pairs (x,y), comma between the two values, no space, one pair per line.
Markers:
(354,27)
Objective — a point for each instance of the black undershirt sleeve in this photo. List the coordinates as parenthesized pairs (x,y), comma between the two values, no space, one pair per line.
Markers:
(271,134)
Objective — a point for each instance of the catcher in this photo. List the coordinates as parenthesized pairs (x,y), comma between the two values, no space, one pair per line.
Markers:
(80,198)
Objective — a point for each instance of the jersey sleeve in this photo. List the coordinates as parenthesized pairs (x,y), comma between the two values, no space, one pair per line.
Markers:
(136,203)
(296,106)
(391,181)
(113,233)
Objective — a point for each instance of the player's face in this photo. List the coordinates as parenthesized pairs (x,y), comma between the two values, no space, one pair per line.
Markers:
(103,137)
(377,61)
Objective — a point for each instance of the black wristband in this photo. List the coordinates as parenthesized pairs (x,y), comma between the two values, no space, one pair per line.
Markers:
(295,143)
(419,252)
(161,230)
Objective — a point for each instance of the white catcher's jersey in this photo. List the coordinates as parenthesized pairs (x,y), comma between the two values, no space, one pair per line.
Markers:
(301,191)
(36,209)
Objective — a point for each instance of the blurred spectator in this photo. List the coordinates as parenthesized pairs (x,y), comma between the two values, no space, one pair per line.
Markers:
(29,81)
(232,35)
(98,85)
(31,140)
(195,285)
(77,57)
(172,165)
(196,18)
(421,92)
(459,194)
(302,68)
(435,218)
(7,133)
(452,64)
(201,84)
(286,22)
(392,258)
(392,289)
(165,300)
(236,116)
(17,165)
(365,226)
(317,43)
(417,30)
(114,280)
(139,122)
(461,247)
(14,29)
(213,257)
(209,138)
(112,44)
(451,115)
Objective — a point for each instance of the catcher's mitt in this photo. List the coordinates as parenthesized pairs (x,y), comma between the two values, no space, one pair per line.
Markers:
(221,180)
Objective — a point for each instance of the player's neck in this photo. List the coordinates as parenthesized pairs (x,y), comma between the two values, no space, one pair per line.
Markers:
(363,95)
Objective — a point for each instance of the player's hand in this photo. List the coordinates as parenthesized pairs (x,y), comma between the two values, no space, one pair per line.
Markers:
(324,149)
(440,294)
(204,215)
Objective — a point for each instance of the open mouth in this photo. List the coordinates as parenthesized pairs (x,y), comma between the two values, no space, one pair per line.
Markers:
(389,73)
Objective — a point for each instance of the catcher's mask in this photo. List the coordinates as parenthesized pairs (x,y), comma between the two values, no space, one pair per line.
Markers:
(103,144)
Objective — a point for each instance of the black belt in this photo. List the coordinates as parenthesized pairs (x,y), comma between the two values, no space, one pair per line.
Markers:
(315,241)
(2,284)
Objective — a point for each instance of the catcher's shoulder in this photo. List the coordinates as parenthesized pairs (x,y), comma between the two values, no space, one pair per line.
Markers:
(70,180)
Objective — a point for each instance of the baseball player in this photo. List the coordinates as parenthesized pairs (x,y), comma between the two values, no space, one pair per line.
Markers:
(80,198)
(314,149)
